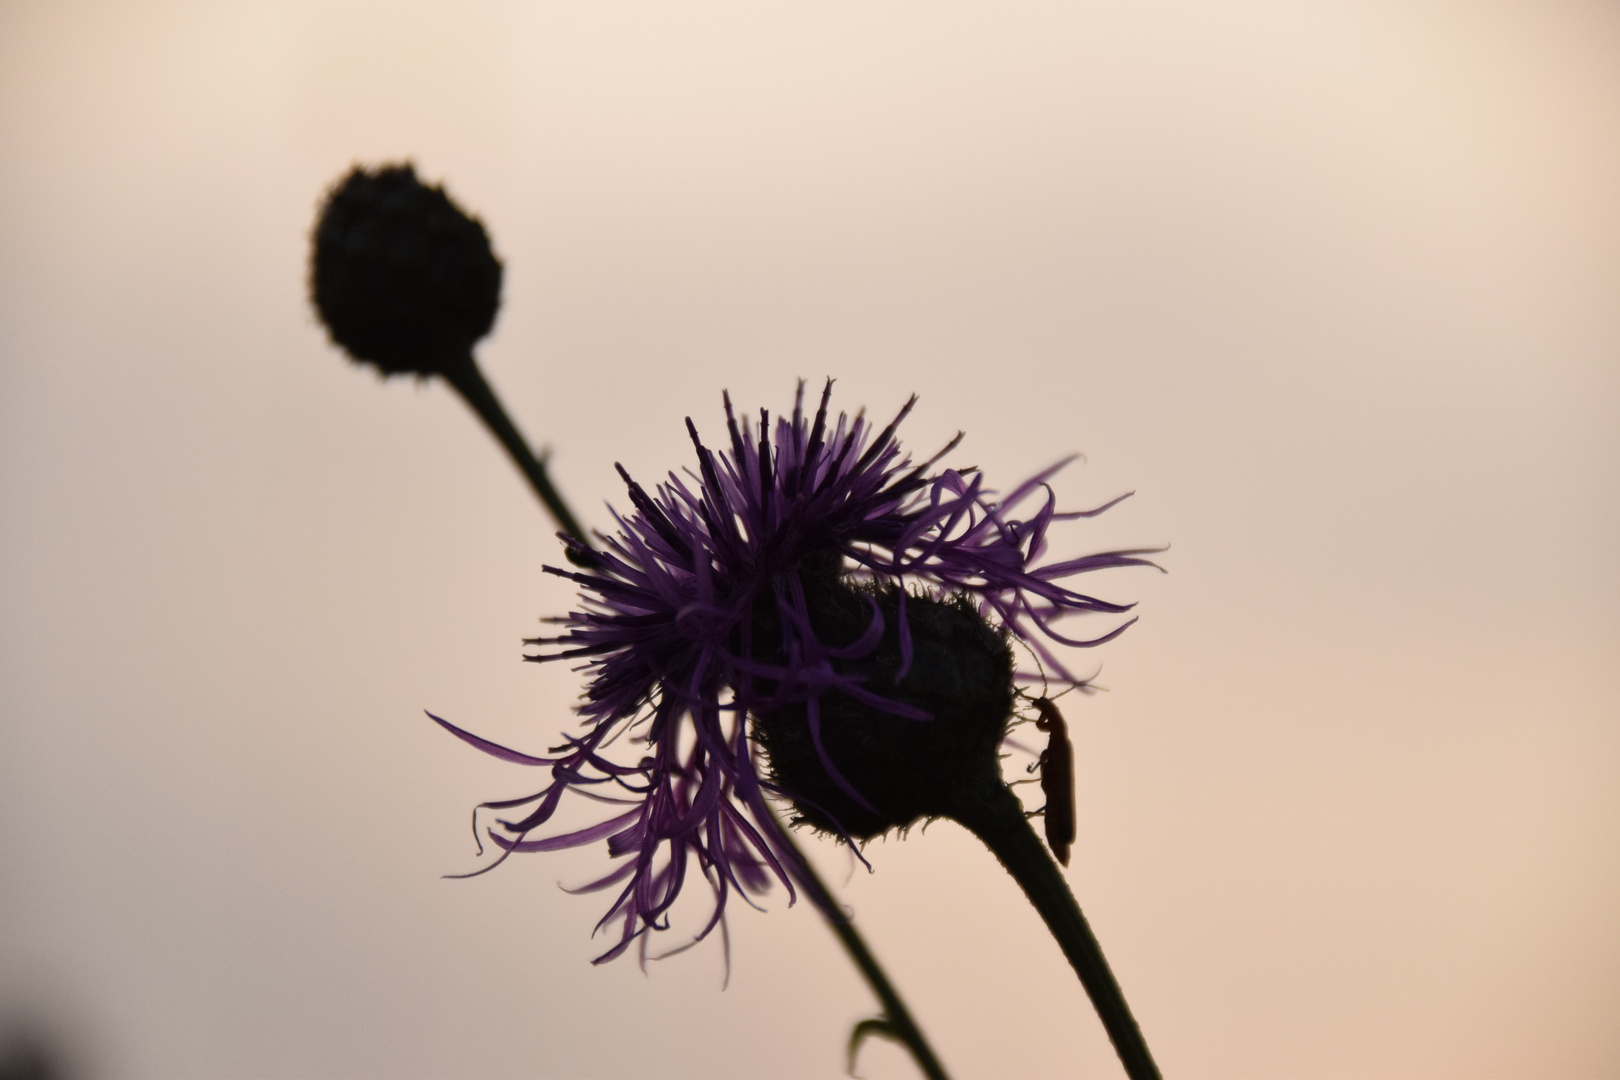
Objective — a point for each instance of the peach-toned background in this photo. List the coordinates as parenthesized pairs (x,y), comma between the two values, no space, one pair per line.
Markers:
(1335,287)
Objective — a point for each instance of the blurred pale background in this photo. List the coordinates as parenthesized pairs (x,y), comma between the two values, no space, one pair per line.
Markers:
(1335,287)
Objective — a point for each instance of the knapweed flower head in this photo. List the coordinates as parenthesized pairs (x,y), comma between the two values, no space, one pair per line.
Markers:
(806,616)
(403,278)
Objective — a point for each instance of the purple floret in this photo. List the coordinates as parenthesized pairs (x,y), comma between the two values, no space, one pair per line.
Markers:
(671,607)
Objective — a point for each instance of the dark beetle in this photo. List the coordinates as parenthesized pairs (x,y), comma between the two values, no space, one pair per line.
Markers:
(1057,779)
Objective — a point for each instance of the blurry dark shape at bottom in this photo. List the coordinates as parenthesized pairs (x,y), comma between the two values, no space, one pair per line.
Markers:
(26,1053)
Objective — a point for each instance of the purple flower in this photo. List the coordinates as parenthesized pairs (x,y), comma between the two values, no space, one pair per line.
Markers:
(811,616)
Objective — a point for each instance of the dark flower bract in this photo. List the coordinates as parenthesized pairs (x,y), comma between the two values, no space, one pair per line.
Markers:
(808,616)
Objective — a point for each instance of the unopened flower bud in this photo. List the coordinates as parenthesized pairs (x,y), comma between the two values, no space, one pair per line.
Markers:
(402,277)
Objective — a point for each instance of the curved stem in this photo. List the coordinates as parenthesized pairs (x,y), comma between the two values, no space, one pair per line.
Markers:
(1000,822)
(469,383)
(475,391)
(894,1010)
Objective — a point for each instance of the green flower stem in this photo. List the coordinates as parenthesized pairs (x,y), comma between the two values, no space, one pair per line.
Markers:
(895,1012)
(469,383)
(998,819)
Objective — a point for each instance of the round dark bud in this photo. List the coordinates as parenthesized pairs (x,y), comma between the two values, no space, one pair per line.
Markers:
(402,278)
(906,769)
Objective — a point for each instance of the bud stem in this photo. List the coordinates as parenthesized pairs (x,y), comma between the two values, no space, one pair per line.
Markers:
(475,391)
(469,383)
(1000,822)
(894,1010)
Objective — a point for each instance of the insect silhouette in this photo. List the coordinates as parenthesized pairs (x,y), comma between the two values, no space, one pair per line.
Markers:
(1057,779)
